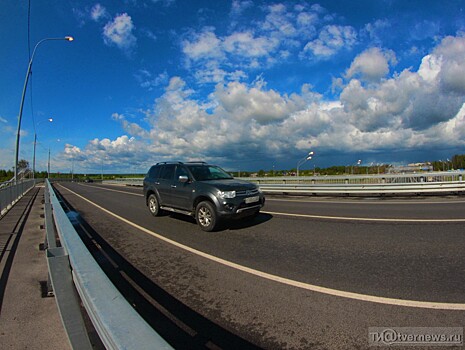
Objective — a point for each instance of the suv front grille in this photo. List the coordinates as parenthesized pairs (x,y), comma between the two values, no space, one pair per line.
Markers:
(247,193)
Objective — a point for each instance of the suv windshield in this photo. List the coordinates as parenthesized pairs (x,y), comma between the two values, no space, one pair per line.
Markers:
(208,172)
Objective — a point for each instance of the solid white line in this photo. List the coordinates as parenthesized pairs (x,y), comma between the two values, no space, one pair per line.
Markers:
(310,216)
(286,281)
(110,189)
(369,202)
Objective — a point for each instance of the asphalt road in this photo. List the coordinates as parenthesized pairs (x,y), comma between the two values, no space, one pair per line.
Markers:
(306,273)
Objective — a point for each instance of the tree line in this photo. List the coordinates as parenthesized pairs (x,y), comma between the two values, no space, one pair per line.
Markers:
(456,162)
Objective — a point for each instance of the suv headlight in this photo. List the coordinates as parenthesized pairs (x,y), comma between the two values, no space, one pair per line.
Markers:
(226,194)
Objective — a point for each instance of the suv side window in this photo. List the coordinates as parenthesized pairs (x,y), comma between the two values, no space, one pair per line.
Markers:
(167,172)
(180,171)
(154,172)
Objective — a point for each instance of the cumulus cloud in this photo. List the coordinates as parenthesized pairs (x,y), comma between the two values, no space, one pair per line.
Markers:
(119,32)
(277,37)
(331,39)
(377,30)
(148,81)
(408,110)
(239,6)
(98,12)
(449,55)
(372,64)
(203,45)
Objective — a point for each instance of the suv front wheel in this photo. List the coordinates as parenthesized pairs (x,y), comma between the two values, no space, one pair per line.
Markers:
(206,216)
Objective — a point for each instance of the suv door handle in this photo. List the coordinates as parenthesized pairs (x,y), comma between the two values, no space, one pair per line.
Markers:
(173,186)
(156,183)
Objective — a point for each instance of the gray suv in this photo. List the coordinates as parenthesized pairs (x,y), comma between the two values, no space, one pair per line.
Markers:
(203,191)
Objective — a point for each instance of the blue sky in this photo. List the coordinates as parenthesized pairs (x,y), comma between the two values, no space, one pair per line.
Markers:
(244,84)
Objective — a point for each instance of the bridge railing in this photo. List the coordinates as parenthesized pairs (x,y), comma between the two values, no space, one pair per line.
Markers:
(10,194)
(421,183)
(72,268)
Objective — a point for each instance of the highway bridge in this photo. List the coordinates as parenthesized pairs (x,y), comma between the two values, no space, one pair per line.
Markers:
(307,273)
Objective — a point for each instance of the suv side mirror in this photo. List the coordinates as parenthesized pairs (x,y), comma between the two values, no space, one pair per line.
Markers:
(183,178)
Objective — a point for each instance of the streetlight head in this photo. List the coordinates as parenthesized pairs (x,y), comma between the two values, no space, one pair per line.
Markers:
(69,38)
(50,120)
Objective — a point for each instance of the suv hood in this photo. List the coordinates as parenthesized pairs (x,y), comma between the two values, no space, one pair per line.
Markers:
(231,184)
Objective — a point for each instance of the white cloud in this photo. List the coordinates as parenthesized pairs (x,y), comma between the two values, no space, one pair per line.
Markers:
(148,81)
(409,110)
(119,32)
(239,6)
(203,45)
(98,12)
(277,37)
(213,74)
(450,55)
(331,39)
(372,64)
(245,44)
(377,30)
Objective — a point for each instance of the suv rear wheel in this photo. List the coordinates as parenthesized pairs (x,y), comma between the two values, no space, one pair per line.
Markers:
(154,206)
(206,217)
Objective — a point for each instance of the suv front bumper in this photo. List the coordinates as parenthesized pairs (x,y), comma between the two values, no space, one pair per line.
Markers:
(237,207)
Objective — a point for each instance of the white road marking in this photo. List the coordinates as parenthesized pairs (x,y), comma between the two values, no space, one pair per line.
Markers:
(310,216)
(369,202)
(286,281)
(110,189)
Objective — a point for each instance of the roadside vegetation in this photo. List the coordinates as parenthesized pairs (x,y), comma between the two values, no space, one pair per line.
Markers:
(454,163)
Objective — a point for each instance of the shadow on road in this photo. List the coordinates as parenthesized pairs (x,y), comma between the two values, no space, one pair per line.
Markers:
(232,224)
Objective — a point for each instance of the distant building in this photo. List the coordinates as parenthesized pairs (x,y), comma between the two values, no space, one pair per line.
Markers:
(412,168)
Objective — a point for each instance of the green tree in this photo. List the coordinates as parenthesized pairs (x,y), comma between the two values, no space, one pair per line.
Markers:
(23,164)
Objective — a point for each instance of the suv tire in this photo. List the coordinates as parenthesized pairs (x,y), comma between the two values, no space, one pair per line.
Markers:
(206,217)
(154,205)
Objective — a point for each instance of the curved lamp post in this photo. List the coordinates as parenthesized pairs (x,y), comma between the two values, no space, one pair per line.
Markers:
(358,163)
(28,73)
(302,161)
(35,142)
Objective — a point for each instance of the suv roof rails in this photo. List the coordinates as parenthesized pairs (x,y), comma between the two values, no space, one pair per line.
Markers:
(169,163)
(194,162)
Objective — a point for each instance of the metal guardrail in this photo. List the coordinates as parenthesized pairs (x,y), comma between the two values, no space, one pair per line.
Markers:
(421,183)
(11,194)
(118,325)
(366,189)
(125,181)
(363,179)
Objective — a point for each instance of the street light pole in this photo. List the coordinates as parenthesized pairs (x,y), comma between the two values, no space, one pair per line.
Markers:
(28,73)
(48,167)
(35,142)
(302,161)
